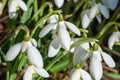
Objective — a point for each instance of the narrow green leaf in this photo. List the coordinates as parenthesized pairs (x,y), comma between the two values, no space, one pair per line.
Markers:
(60,66)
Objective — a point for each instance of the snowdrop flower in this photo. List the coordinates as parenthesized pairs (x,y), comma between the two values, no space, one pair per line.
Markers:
(83,52)
(29,47)
(95,11)
(59,3)
(13,5)
(96,65)
(61,31)
(80,74)
(112,4)
(55,46)
(114,38)
(33,70)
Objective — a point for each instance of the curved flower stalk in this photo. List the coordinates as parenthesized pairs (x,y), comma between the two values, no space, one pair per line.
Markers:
(61,32)
(59,3)
(114,38)
(93,12)
(112,4)
(29,47)
(31,70)
(13,6)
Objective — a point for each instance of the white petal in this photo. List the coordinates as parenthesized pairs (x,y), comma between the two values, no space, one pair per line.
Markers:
(52,19)
(73,28)
(111,40)
(24,46)
(85,46)
(85,21)
(21,4)
(59,3)
(108,60)
(104,11)
(93,11)
(85,75)
(96,68)
(12,9)
(13,52)
(99,18)
(98,55)
(46,29)
(34,57)
(54,47)
(112,4)
(80,56)
(28,74)
(33,41)
(42,72)
(64,36)
(85,12)
(105,2)
(75,75)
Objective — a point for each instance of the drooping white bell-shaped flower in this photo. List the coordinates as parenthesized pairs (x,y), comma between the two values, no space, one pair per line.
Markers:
(59,3)
(29,47)
(60,29)
(115,37)
(112,4)
(83,52)
(33,70)
(96,65)
(95,11)
(80,74)
(13,5)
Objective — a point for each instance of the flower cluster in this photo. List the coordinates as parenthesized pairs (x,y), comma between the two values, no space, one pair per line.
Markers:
(34,57)
(87,51)
(96,10)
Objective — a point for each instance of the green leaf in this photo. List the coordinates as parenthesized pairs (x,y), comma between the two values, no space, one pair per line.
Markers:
(84,40)
(26,15)
(113,75)
(13,76)
(60,66)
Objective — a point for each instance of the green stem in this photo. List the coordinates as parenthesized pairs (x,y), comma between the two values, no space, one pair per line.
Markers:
(40,11)
(3,5)
(2,54)
(57,58)
(35,9)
